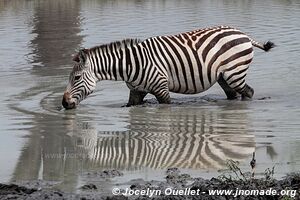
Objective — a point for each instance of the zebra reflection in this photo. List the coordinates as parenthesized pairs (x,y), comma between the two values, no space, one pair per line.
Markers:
(168,137)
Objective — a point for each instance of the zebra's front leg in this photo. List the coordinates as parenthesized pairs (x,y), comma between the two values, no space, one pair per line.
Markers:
(163,99)
(162,94)
(136,98)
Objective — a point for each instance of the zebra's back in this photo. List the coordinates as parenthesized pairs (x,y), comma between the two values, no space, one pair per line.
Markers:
(193,61)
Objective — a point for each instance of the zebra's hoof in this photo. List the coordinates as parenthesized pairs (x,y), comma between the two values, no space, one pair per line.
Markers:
(245,98)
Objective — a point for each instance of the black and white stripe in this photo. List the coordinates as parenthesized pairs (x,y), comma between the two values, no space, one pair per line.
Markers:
(162,140)
(135,150)
(186,63)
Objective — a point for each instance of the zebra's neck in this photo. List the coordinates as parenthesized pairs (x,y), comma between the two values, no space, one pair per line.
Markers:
(116,61)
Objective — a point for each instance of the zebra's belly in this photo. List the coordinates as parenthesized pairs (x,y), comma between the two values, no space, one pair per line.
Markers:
(177,87)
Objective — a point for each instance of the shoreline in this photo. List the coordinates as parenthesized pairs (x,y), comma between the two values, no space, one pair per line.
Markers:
(176,185)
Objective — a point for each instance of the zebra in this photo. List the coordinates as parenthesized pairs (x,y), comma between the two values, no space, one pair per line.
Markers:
(186,63)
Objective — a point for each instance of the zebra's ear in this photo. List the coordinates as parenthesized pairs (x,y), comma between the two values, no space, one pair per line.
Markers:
(80,57)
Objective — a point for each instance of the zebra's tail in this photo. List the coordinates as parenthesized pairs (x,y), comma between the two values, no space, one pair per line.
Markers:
(266,46)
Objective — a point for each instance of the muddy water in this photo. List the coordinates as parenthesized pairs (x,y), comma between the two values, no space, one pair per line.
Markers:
(196,133)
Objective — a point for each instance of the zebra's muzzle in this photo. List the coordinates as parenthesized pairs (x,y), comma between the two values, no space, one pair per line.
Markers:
(66,101)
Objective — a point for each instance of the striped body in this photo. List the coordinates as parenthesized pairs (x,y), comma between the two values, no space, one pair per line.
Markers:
(193,61)
(186,63)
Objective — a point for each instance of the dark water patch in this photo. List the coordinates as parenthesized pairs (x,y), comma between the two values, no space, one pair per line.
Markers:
(89,186)
(111,173)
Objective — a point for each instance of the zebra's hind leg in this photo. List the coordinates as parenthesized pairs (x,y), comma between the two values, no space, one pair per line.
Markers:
(136,98)
(247,92)
(230,93)
(236,81)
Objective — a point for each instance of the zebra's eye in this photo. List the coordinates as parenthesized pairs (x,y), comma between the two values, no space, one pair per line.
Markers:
(77,77)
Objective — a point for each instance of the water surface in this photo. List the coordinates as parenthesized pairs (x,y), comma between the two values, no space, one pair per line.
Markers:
(197,133)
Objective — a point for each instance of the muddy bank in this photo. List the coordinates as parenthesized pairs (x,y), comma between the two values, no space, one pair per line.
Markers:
(175,186)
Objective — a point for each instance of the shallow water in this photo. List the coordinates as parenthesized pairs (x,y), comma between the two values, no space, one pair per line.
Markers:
(197,133)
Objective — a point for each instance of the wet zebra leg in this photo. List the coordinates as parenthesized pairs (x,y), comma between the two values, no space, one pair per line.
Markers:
(235,79)
(247,92)
(163,98)
(136,98)
(230,93)
(160,89)
(162,94)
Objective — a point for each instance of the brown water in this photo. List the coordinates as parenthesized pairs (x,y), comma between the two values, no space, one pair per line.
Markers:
(196,133)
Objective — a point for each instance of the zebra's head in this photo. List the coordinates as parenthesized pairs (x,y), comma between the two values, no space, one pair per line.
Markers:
(82,81)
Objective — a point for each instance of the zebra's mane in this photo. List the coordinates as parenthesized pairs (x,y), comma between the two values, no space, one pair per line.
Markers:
(116,44)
